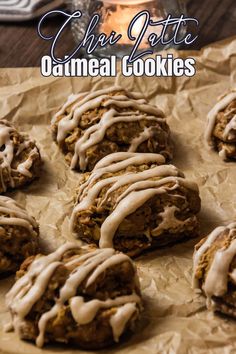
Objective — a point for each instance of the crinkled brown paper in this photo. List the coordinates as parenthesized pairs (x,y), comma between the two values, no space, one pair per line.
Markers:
(175,319)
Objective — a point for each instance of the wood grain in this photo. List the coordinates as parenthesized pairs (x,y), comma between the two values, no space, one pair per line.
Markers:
(21,46)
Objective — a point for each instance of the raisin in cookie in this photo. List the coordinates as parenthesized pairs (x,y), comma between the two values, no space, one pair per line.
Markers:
(92,125)
(134,202)
(89,298)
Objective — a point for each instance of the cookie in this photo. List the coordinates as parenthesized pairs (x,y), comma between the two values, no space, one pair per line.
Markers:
(92,125)
(221,127)
(20,159)
(18,235)
(134,202)
(214,269)
(83,297)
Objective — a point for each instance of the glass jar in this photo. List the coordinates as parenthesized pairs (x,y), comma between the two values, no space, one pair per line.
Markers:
(116,15)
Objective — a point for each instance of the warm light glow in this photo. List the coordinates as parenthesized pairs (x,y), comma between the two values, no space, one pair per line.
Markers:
(117,18)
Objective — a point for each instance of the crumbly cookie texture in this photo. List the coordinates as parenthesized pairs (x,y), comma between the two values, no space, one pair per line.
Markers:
(221,126)
(19,158)
(85,297)
(214,269)
(133,202)
(18,235)
(92,125)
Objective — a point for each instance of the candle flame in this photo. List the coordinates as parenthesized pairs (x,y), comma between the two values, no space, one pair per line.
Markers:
(119,21)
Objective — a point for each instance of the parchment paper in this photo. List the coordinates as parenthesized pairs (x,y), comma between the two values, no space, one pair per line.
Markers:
(175,319)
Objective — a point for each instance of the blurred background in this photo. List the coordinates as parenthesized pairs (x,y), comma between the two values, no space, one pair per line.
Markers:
(21,46)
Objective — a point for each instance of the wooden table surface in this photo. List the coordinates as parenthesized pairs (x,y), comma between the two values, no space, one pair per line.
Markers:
(20,45)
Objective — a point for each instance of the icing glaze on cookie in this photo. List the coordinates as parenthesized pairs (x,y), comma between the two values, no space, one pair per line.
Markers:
(14,215)
(141,186)
(8,150)
(216,281)
(228,134)
(86,268)
(82,103)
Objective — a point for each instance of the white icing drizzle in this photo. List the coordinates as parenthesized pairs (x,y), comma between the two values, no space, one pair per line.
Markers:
(118,321)
(24,167)
(7,154)
(119,161)
(169,221)
(141,186)
(31,287)
(84,312)
(223,153)
(126,207)
(229,127)
(144,136)
(211,120)
(216,282)
(102,98)
(217,276)
(13,214)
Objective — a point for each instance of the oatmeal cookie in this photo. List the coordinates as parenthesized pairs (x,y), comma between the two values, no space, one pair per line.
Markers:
(133,202)
(19,158)
(214,269)
(18,235)
(92,125)
(84,297)
(221,126)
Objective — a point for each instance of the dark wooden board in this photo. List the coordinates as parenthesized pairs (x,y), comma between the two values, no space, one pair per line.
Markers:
(20,45)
